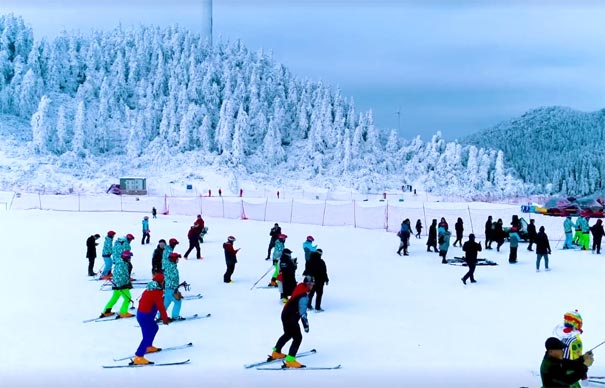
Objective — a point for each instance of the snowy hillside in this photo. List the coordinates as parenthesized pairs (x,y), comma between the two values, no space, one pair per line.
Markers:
(569,140)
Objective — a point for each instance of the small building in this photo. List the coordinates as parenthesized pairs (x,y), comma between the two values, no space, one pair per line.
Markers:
(137,186)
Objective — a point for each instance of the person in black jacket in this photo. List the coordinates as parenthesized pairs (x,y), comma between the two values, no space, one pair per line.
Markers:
(431,242)
(274,233)
(418,228)
(488,233)
(156,259)
(91,252)
(597,236)
(471,250)
(542,249)
(459,227)
(531,234)
(316,267)
(556,371)
(287,267)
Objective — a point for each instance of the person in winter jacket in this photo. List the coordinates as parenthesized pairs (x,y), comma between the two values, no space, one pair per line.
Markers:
(194,241)
(121,245)
(542,249)
(156,259)
(154,212)
(568,228)
(278,248)
(404,237)
(556,371)
(498,234)
(168,249)
(121,287)
(316,267)
(287,269)
(585,240)
(577,237)
(308,247)
(569,333)
(274,233)
(151,302)
(489,234)
(171,286)
(514,239)
(106,254)
(146,232)
(531,234)
(471,249)
(444,241)
(230,258)
(431,241)
(597,236)
(91,252)
(459,227)
(201,227)
(418,228)
(294,310)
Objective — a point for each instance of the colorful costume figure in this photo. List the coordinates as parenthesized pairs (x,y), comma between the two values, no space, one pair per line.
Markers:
(121,286)
(569,333)
(278,248)
(568,228)
(106,254)
(171,277)
(146,232)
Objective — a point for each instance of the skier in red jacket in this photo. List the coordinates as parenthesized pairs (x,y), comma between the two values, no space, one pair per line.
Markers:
(151,302)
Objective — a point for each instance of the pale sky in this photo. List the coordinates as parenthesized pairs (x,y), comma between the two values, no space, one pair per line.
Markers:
(453,66)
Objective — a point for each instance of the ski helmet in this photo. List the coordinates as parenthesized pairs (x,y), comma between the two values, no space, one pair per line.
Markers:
(231,238)
(310,238)
(129,237)
(111,233)
(173,241)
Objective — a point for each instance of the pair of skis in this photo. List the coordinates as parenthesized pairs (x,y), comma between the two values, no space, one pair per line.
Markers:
(262,365)
(131,365)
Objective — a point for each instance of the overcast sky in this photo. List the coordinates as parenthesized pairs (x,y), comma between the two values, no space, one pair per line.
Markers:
(453,66)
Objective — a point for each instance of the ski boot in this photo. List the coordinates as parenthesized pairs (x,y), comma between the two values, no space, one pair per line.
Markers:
(272,283)
(126,315)
(140,361)
(107,313)
(275,355)
(292,363)
(152,349)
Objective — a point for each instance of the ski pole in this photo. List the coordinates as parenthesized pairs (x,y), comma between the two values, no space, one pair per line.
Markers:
(596,347)
(261,278)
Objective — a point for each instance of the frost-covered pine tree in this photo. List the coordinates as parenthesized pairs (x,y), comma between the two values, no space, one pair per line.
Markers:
(80,122)
(61,144)
(40,126)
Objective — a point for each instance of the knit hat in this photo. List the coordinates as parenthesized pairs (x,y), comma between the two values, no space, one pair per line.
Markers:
(553,343)
(129,237)
(231,238)
(173,241)
(111,233)
(573,320)
(310,238)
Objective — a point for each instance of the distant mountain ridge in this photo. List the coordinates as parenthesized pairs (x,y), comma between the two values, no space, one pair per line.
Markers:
(558,149)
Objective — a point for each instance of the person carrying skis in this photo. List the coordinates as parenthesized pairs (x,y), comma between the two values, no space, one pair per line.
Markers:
(308,247)
(106,254)
(275,232)
(91,252)
(471,250)
(404,237)
(556,371)
(171,293)
(230,258)
(294,310)
(121,287)
(151,302)
(278,248)
(146,231)
(569,333)
(418,228)
(316,267)
(431,241)
(568,229)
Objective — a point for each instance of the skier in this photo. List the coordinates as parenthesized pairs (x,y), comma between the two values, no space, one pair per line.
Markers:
(471,250)
(201,226)
(156,259)
(316,267)
(308,247)
(459,227)
(278,248)
(151,302)
(121,287)
(287,269)
(168,249)
(230,258)
(171,292)
(418,228)
(531,234)
(542,249)
(488,233)
(569,333)
(91,252)
(444,240)
(597,236)
(106,253)
(578,231)
(154,212)
(274,233)
(404,236)
(585,240)
(568,228)
(294,310)
(122,244)
(194,241)
(514,238)
(555,371)
(431,242)
(146,231)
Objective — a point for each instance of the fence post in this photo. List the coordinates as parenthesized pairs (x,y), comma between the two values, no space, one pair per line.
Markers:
(266,204)
(386,215)
(39,201)
(354,214)
(470,218)
(424,212)
(291,209)
(223,206)
(78,201)
(323,217)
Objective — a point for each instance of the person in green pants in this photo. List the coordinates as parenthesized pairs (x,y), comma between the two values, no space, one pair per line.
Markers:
(121,287)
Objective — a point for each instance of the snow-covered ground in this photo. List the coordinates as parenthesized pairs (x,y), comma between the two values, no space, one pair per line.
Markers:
(390,321)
